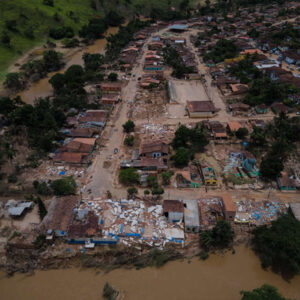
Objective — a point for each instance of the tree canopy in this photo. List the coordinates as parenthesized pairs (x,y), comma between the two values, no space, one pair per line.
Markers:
(278,246)
(265,292)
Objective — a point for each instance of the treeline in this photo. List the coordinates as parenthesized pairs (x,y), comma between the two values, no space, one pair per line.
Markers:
(116,42)
(34,70)
(278,140)
(222,50)
(174,60)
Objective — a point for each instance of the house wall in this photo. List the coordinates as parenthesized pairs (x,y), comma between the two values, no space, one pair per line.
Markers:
(201,114)
(175,216)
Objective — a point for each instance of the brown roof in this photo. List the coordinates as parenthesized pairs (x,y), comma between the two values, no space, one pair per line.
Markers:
(111,84)
(82,145)
(93,116)
(234,126)
(201,106)
(153,146)
(70,157)
(82,132)
(173,206)
(228,203)
(60,213)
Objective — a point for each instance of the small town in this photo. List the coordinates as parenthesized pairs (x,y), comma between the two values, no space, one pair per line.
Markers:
(182,128)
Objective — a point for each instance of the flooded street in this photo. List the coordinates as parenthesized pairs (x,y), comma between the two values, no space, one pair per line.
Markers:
(43,88)
(219,277)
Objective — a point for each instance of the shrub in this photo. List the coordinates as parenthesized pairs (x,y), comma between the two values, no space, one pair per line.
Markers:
(146,192)
(182,157)
(112,77)
(278,246)
(60,32)
(265,292)
(129,140)
(157,191)
(129,126)
(109,293)
(129,176)
(64,186)
(166,177)
(12,178)
(241,133)
(132,191)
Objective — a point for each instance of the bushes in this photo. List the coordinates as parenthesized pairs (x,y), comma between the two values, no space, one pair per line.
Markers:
(265,292)
(182,157)
(112,77)
(129,126)
(241,133)
(129,176)
(278,246)
(61,32)
(166,177)
(64,186)
(129,140)
(42,188)
(109,293)
(222,50)
(219,237)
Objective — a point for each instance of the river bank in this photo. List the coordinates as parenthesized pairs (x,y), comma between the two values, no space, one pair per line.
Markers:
(72,56)
(221,274)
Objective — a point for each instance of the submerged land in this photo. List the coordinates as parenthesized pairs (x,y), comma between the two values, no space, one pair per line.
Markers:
(169,139)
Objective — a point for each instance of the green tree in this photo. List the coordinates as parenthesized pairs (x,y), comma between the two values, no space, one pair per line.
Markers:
(157,191)
(109,293)
(182,157)
(92,61)
(64,186)
(5,39)
(112,77)
(58,82)
(271,166)
(129,176)
(166,177)
(13,82)
(241,133)
(52,60)
(129,140)
(42,208)
(278,246)
(152,181)
(129,126)
(11,25)
(219,237)
(132,191)
(265,292)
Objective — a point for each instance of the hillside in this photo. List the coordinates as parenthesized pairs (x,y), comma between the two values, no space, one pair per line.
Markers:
(27,23)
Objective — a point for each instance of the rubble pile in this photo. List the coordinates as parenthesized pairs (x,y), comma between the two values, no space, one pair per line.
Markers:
(133,223)
(259,213)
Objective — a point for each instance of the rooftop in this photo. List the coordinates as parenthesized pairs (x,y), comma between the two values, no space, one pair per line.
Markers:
(201,106)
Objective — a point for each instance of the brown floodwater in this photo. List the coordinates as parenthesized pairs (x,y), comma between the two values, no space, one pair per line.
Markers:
(43,88)
(221,277)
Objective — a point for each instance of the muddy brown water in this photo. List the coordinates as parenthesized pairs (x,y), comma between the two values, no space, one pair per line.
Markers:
(43,88)
(219,277)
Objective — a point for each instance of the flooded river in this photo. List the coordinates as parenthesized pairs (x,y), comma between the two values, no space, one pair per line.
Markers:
(43,88)
(219,277)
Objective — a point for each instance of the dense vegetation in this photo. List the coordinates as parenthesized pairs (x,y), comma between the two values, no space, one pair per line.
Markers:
(174,60)
(34,70)
(188,141)
(219,237)
(222,50)
(278,246)
(40,122)
(116,42)
(265,292)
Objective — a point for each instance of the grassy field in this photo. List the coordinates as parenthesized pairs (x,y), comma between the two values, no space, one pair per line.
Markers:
(34,14)
(40,17)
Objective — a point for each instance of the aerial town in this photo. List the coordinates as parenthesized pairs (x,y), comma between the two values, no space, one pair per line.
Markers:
(194,122)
